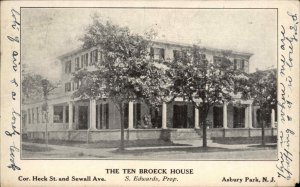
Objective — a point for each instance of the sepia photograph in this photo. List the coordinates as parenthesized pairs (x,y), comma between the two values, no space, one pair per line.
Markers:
(149,83)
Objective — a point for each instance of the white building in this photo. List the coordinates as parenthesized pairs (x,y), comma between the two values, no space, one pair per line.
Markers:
(96,120)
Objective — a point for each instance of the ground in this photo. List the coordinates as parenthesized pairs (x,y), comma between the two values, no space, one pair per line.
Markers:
(181,150)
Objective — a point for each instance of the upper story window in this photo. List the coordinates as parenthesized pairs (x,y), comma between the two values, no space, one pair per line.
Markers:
(157,53)
(77,63)
(76,84)
(67,87)
(218,60)
(68,67)
(85,59)
(177,54)
(239,64)
(93,56)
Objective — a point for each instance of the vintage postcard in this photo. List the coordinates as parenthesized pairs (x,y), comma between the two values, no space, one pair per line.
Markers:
(149,93)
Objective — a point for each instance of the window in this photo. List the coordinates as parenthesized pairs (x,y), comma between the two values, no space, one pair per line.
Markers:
(177,54)
(217,117)
(77,63)
(86,59)
(157,53)
(58,114)
(259,119)
(73,108)
(81,61)
(93,56)
(67,114)
(156,116)
(239,64)
(68,67)
(218,60)
(37,115)
(102,119)
(76,85)
(29,117)
(32,112)
(242,64)
(137,115)
(67,87)
(238,117)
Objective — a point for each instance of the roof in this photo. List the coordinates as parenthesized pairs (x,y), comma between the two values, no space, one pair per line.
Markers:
(72,52)
(203,47)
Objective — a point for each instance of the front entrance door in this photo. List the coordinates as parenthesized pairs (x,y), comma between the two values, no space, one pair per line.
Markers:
(83,117)
(180,116)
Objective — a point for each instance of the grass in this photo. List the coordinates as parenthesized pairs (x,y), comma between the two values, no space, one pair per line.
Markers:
(34,148)
(244,140)
(170,149)
(109,144)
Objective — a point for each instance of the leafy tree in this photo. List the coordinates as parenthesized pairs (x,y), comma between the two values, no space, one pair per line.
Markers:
(262,88)
(201,82)
(125,73)
(31,87)
(36,87)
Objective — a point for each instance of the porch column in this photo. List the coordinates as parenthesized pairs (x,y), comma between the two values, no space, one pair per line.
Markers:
(98,117)
(197,118)
(70,116)
(225,126)
(164,115)
(250,116)
(64,114)
(92,114)
(76,119)
(50,113)
(273,119)
(254,117)
(130,115)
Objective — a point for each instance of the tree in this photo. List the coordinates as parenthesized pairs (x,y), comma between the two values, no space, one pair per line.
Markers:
(201,82)
(262,88)
(47,87)
(125,73)
(35,87)
(31,87)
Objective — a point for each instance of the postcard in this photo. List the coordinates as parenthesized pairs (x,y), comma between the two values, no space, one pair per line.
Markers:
(149,93)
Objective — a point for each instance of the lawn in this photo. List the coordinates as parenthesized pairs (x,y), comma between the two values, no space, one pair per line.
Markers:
(109,144)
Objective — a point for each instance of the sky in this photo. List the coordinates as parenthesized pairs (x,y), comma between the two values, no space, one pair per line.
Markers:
(47,33)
